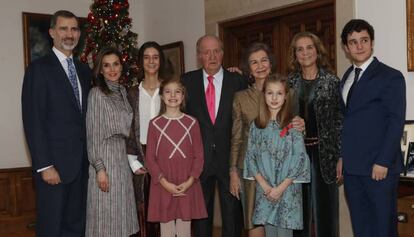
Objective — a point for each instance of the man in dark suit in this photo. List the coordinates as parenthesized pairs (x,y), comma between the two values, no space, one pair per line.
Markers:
(374,105)
(210,97)
(54,99)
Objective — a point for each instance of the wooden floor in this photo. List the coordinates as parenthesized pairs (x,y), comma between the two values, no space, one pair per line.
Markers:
(17,230)
(22,230)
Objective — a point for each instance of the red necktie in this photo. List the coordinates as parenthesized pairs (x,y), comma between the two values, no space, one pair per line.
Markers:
(211,99)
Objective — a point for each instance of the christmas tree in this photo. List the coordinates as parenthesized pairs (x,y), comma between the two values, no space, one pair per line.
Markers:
(109,24)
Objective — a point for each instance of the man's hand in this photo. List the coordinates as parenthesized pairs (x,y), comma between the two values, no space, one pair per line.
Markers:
(51,176)
(103,180)
(235,185)
(339,175)
(379,172)
(298,123)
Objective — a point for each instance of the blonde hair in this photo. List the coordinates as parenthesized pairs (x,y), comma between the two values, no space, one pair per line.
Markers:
(285,114)
(322,60)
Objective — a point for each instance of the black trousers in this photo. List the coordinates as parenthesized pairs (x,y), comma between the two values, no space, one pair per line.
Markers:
(61,208)
(320,203)
(230,207)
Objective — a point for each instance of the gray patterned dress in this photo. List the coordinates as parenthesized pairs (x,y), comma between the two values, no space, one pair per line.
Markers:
(108,122)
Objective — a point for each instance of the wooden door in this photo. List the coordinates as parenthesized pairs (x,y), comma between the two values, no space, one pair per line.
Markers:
(277,28)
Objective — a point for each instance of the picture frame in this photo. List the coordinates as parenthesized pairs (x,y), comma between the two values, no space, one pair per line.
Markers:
(410,35)
(174,58)
(409,161)
(36,39)
(407,149)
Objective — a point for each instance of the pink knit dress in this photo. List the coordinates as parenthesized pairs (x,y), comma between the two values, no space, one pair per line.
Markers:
(175,152)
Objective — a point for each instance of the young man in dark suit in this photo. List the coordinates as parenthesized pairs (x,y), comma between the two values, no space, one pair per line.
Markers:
(54,99)
(374,104)
(210,97)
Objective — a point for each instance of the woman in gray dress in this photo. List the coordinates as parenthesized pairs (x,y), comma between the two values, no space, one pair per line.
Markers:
(111,207)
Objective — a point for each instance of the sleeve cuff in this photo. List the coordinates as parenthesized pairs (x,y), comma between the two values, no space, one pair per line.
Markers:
(43,169)
(99,165)
(134,163)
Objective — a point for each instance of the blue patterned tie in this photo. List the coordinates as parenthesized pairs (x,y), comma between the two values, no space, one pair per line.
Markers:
(73,80)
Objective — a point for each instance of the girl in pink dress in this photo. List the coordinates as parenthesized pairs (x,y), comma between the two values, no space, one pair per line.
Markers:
(174,160)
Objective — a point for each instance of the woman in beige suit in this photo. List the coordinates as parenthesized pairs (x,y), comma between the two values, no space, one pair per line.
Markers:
(257,64)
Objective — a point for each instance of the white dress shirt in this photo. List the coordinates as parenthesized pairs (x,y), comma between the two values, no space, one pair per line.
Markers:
(350,78)
(149,107)
(218,84)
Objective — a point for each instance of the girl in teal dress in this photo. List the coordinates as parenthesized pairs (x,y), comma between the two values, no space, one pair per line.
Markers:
(276,158)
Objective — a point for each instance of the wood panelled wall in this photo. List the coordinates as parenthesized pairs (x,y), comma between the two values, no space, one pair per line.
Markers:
(17,195)
(276,28)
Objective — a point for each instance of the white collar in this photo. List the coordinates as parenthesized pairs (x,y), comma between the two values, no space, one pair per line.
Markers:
(218,75)
(61,56)
(365,65)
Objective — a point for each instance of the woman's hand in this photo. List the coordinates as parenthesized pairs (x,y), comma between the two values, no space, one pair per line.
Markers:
(103,180)
(339,176)
(235,185)
(298,123)
(235,69)
(140,171)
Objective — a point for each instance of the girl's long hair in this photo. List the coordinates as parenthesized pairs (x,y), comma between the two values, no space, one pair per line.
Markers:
(285,114)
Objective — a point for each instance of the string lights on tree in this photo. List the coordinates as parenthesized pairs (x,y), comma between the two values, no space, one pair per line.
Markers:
(109,24)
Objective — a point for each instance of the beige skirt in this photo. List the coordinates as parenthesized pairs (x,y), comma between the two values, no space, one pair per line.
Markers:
(248,196)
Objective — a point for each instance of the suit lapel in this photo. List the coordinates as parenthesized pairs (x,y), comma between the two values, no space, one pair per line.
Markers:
(84,86)
(61,75)
(225,94)
(202,96)
(342,83)
(364,81)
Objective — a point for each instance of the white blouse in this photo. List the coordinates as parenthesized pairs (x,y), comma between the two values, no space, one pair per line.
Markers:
(149,107)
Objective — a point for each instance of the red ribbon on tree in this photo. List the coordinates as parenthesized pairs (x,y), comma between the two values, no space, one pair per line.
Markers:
(285,130)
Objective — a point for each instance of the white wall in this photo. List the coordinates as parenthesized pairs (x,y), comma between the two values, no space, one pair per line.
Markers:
(170,21)
(13,151)
(389,22)
(12,144)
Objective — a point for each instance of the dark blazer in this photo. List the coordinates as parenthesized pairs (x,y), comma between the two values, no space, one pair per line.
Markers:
(215,137)
(374,120)
(53,124)
(328,119)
